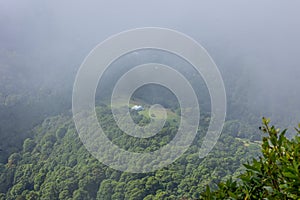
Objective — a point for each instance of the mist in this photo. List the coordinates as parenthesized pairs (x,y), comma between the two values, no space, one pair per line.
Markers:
(255,43)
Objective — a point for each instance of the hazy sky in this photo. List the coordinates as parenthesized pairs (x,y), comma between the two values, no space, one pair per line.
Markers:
(263,35)
(252,26)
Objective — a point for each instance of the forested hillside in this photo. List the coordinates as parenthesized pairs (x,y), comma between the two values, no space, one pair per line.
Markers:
(27,97)
(55,165)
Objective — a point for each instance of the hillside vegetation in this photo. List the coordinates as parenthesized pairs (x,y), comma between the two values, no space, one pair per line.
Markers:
(55,165)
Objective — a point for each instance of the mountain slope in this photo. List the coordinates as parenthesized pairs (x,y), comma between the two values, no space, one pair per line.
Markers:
(55,165)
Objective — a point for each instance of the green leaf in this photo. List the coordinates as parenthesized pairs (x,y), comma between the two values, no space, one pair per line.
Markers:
(251,167)
(282,137)
(231,194)
(290,175)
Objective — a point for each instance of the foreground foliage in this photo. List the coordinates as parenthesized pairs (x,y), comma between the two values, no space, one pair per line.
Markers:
(275,175)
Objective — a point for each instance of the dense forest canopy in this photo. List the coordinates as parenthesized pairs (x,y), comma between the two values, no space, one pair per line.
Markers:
(55,164)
